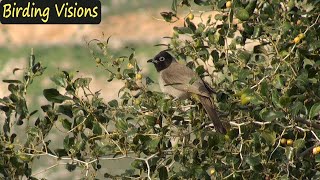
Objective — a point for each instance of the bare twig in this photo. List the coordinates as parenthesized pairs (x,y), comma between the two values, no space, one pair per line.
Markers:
(259,82)
(284,130)
(48,168)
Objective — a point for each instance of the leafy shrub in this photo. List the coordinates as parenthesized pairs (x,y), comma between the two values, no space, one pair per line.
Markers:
(268,96)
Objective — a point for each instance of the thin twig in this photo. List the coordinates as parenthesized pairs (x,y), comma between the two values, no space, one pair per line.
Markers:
(259,82)
(279,142)
(48,168)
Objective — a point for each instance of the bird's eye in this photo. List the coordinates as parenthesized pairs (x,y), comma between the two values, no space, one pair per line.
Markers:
(162,58)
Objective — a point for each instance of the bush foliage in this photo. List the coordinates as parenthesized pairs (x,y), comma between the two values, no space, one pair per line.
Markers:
(268,96)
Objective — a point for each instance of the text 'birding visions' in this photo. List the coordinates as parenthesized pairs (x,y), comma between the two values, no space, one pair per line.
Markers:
(50,11)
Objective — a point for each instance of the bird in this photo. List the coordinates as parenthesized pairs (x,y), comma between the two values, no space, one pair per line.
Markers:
(182,82)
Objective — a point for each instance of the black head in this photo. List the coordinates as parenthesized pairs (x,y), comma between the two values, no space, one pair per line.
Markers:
(162,60)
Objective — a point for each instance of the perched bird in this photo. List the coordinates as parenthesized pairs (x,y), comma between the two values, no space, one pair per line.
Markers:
(181,82)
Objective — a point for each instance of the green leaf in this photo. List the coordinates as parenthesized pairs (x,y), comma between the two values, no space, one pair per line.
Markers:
(269,137)
(215,55)
(285,101)
(66,124)
(68,142)
(122,125)
(242,14)
(297,108)
(12,81)
(244,56)
(257,31)
(151,120)
(299,144)
(183,30)
(253,160)
(314,111)
(270,115)
(264,89)
(308,62)
(113,103)
(153,144)
(218,17)
(71,167)
(174,5)
(289,152)
(251,6)
(66,110)
(138,164)
(167,16)
(61,152)
(202,2)
(149,81)
(200,70)
(275,98)
(54,96)
(82,82)
(97,130)
(59,79)
(163,173)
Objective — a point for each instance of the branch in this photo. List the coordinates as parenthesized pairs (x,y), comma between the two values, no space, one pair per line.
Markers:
(308,123)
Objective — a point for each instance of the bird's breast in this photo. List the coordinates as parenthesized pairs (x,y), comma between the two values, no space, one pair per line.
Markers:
(169,89)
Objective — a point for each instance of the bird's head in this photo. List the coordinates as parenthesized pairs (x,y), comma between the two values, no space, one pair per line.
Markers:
(162,60)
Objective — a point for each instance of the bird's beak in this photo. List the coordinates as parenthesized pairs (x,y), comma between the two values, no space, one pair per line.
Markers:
(150,61)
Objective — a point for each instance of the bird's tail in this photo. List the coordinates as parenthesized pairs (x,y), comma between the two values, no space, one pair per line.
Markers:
(212,113)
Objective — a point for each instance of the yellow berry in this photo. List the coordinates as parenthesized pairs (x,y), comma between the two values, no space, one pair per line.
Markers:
(212,171)
(80,127)
(296,40)
(129,66)
(137,101)
(318,149)
(138,76)
(301,35)
(283,141)
(190,16)
(10,146)
(228,4)
(314,151)
(289,142)
(98,60)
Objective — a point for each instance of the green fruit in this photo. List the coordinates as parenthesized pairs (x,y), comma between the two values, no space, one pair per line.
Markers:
(118,76)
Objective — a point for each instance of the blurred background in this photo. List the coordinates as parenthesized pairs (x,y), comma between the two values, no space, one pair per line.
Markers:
(130,23)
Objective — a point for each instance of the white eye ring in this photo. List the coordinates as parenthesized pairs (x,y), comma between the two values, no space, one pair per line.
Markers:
(162,58)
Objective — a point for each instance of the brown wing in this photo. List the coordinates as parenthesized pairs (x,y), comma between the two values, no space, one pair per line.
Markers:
(183,78)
